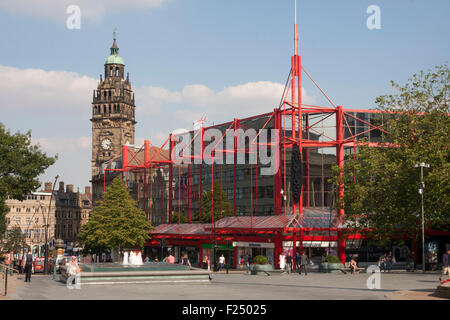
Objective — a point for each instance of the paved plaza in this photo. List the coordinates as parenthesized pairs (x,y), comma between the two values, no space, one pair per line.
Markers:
(240,286)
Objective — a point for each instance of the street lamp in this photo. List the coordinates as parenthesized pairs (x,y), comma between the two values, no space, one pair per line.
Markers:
(421,190)
(46,227)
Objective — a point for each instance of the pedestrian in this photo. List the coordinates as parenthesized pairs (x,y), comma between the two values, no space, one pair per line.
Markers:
(445,265)
(303,264)
(221,262)
(288,263)
(298,261)
(382,262)
(28,266)
(185,261)
(171,258)
(282,261)
(205,262)
(389,261)
(73,268)
(249,262)
(21,264)
(241,262)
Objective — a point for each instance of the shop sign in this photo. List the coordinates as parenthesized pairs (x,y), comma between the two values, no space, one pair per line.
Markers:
(219,246)
(254,244)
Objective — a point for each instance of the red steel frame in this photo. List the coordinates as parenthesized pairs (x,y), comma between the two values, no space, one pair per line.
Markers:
(289,109)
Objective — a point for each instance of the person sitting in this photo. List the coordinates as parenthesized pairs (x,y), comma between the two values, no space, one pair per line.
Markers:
(353,266)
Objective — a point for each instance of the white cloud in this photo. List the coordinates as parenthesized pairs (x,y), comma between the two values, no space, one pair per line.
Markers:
(36,89)
(194,101)
(92,10)
(44,100)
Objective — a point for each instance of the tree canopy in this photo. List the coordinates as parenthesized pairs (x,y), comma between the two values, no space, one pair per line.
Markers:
(222,207)
(15,241)
(116,222)
(381,184)
(20,165)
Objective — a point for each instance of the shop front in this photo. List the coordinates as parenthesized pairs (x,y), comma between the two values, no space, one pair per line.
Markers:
(315,250)
(244,249)
(213,255)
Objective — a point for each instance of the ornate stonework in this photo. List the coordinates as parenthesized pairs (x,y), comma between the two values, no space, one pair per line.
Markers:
(113,116)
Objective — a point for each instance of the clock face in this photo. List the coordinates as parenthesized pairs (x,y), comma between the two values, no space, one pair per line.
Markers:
(106,144)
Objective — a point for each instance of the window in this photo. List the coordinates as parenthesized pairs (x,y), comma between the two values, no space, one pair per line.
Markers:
(17,209)
(17,220)
(42,197)
(36,220)
(28,210)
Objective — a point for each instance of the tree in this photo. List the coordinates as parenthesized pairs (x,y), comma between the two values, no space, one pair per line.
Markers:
(15,241)
(221,205)
(381,183)
(116,222)
(20,165)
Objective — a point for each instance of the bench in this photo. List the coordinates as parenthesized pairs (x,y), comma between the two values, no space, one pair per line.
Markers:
(345,270)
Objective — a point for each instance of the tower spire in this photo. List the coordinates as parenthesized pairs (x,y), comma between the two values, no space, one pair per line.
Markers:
(295,29)
(114,47)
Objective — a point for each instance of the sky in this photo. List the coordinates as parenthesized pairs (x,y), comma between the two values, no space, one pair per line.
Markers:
(188,58)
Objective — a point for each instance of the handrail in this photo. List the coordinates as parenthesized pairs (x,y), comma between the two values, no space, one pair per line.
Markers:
(4,265)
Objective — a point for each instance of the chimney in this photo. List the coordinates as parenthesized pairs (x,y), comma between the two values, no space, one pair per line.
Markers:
(87,190)
(61,186)
(48,187)
(69,188)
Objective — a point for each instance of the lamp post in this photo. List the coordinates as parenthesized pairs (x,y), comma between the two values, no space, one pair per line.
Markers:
(46,227)
(421,190)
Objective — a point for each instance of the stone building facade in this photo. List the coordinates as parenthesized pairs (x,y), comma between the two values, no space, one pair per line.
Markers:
(31,216)
(69,211)
(72,212)
(113,117)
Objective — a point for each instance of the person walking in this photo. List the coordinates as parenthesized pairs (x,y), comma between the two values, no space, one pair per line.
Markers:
(445,265)
(221,262)
(28,266)
(288,263)
(303,264)
(241,262)
(249,262)
(282,261)
(298,261)
(185,261)
(382,262)
(389,261)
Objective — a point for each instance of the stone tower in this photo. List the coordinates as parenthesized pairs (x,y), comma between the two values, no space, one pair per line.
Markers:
(113,115)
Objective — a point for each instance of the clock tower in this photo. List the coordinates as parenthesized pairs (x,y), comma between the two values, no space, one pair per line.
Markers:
(113,118)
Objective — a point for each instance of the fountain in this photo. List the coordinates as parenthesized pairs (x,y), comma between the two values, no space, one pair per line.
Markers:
(133,270)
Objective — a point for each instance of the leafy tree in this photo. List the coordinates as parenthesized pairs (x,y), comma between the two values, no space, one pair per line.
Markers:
(116,222)
(381,183)
(222,206)
(20,165)
(15,241)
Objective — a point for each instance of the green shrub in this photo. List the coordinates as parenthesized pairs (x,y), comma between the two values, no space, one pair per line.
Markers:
(260,260)
(332,259)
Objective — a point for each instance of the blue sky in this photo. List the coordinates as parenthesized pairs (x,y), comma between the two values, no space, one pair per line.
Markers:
(195,57)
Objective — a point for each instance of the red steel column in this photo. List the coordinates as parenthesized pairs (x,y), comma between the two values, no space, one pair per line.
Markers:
(340,155)
(341,247)
(170,178)
(125,162)
(277,175)
(236,124)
